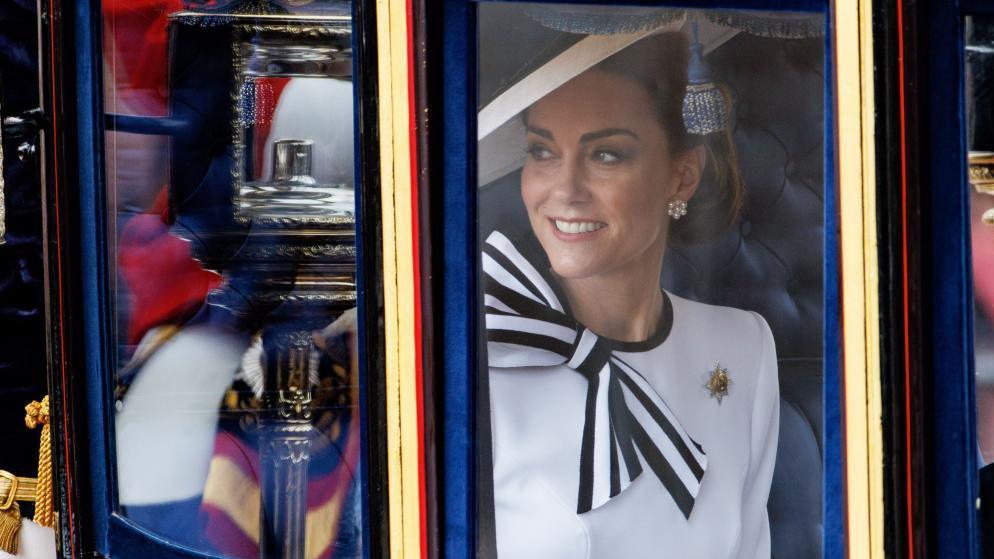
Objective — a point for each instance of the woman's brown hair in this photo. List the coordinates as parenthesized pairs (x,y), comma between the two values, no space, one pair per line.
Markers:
(659,63)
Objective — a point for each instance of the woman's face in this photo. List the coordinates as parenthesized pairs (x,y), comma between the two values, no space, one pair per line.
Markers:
(599,175)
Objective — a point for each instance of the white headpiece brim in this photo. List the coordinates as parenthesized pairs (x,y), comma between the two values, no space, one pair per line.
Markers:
(499,131)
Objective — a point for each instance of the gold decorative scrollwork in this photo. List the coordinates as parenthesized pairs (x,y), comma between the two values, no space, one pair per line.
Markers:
(295,402)
(342,297)
(336,251)
(981,173)
(285,221)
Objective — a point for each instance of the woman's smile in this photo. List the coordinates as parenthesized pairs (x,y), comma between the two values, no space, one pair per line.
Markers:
(576,229)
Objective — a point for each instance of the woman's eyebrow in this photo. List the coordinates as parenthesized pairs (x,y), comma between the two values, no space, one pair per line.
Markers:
(598,134)
(540,132)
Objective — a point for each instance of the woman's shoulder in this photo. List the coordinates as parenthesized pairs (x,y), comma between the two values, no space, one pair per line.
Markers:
(718,321)
(738,341)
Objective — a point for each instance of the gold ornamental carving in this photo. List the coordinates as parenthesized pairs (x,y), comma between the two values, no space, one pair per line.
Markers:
(981,173)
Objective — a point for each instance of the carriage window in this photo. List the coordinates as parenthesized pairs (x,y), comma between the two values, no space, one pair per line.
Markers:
(980,129)
(230,177)
(652,224)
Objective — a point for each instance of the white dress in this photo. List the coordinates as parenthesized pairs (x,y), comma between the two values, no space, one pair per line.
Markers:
(537,419)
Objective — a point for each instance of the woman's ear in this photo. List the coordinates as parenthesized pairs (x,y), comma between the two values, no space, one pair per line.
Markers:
(689,171)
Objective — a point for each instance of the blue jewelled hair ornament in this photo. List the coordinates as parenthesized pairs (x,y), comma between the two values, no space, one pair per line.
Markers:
(597,20)
(704,107)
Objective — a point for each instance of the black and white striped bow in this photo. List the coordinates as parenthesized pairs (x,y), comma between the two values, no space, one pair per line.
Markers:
(627,425)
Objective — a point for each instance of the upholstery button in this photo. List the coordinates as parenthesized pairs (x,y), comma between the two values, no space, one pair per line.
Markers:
(793,285)
(746,228)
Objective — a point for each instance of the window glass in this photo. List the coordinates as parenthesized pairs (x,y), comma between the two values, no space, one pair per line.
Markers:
(230,190)
(980,130)
(652,224)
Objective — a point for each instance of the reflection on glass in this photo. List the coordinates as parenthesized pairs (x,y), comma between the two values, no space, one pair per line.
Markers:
(651,222)
(232,191)
(292,189)
(980,79)
(291,157)
(979,43)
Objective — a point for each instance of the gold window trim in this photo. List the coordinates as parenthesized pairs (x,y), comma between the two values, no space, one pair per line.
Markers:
(852,45)
(399,292)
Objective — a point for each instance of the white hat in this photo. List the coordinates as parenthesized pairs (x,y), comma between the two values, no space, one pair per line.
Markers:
(501,134)
(603,32)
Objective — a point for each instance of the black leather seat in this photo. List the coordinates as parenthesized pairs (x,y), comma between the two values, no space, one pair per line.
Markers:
(772,261)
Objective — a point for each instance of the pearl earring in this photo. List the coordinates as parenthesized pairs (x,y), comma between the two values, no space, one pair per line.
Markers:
(677,209)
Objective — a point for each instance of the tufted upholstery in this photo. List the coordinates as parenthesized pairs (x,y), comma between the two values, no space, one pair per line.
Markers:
(769,262)
(772,262)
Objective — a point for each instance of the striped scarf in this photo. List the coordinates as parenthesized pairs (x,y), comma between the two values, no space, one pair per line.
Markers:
(627,426)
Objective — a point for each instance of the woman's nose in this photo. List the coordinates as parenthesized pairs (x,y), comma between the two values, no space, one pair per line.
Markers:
(571,183)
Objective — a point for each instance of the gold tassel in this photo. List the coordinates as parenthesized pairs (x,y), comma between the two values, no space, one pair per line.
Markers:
(38,414)
(10,512)
(39,490)
(10,523)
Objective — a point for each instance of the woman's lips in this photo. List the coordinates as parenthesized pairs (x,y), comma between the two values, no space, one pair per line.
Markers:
(575,229)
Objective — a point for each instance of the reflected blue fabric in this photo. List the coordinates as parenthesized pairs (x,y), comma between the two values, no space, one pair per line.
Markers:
(177,521)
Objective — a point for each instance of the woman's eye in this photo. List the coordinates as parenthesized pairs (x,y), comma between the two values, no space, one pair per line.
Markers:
(608,157)
(539,152)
